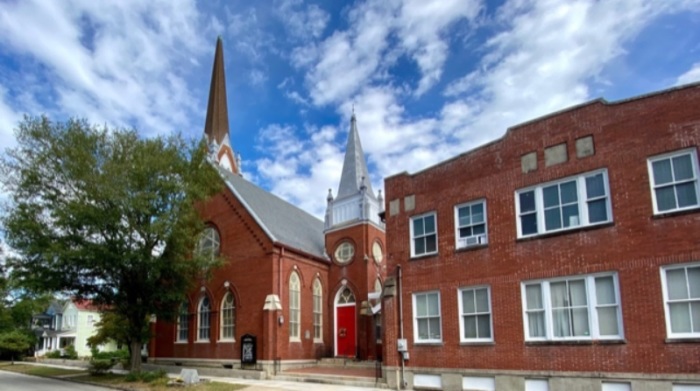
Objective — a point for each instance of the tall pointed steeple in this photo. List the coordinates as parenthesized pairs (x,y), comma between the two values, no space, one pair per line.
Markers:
(216,124)
(356,201)
(355,174)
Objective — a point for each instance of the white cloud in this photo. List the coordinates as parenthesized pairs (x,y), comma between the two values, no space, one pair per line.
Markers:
(119,63)
(9,119)
(423,27)
(691,76)
(302,167)
(301,22)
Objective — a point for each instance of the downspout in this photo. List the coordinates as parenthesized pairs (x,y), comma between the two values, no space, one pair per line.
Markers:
(400,283)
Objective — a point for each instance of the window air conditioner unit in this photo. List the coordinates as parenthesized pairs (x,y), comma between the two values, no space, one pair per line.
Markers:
(471,241)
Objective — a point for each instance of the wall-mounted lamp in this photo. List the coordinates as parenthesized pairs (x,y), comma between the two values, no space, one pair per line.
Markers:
(281,320)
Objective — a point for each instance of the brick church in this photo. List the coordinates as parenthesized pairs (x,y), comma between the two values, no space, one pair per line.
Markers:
(304,288)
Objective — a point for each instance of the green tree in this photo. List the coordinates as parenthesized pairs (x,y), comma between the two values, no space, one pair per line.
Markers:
(105,215)
(14,343)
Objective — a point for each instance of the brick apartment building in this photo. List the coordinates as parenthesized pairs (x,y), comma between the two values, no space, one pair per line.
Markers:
(299,285)
(563,256)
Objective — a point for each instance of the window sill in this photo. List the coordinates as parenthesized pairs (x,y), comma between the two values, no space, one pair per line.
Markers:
(181,342)
(424,256)
(677,340)
(202,341)
(471,248)
(428,344)
(577,342)
(477,343)
(226,341)
(663,215)
(565,232)
(295,340)
(318,341)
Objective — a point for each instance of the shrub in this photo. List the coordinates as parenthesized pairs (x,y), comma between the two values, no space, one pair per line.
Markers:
(54,354)
(100,367)
(71,353)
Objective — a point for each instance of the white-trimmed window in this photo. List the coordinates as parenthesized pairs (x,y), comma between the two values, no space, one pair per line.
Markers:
(616,386)
(318,311)
(475,314)
(228,317)
(204,319)
(426,317)
(585,307)
(424,234)
(681,289)
(294,306)
(470,224)
(686,387)
(479,383)
(183,318)
(674,181)
(578,201)
(536,385)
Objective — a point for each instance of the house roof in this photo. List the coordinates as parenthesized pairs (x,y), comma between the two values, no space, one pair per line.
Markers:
(283,222)
(85,305)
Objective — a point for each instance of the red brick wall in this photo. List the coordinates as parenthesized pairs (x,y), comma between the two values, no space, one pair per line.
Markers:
(252,265)
(635,245)
(360,273)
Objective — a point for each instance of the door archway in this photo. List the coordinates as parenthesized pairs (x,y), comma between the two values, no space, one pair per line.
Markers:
(345,323)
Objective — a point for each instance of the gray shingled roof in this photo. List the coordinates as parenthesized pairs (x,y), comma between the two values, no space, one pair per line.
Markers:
(283,222)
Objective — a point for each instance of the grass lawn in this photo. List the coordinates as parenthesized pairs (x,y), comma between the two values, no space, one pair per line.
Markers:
(112,379)
(37,370)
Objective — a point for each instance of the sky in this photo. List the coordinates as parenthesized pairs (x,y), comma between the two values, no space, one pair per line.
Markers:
(428,79)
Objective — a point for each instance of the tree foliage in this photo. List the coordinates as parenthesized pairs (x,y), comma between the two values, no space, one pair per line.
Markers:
(105,215)
(15,343)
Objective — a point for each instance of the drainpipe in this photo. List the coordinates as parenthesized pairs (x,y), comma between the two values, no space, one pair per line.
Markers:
(400,283)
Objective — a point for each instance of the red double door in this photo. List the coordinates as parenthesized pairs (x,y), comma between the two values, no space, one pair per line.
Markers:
(345,331)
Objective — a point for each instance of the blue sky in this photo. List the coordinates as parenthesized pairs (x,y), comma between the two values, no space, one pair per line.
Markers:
(429,79)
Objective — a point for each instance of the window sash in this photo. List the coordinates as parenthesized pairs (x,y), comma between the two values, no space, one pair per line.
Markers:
(426,317)
(581,203)
(204,320)
(475,314)
(318,310)
(674,186)
(228,318)
(294,306)
(183,323)
(681,292)
(572,308)
(424,234)
(471,219)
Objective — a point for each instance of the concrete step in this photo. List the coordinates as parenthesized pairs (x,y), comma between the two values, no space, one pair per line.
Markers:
(346,362)
(351,381)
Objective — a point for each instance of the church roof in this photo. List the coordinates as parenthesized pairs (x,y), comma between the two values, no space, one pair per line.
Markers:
(216,125)
(354,166)
(283,222)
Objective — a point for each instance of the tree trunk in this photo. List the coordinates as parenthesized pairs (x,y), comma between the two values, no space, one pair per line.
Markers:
(135,356)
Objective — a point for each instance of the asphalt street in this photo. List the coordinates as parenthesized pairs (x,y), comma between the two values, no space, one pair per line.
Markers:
(10,381)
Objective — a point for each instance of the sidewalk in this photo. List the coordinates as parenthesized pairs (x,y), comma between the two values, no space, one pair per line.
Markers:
(257,385)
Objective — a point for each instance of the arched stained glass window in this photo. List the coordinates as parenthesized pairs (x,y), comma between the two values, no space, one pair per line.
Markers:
(228,317)
(204,319)
(318,310)
(183,320)
(294,306)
